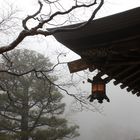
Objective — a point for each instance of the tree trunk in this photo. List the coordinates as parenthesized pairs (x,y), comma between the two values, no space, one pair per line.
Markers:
(24,128)
(24,117)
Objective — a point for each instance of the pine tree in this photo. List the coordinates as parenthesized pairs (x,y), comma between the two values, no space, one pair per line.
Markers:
(30,105)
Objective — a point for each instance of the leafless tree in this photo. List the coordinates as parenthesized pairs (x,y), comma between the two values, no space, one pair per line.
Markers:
(8,18)
(44,20)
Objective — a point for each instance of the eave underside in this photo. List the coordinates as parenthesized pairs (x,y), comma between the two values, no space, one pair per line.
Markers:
(120,62)
(115,51)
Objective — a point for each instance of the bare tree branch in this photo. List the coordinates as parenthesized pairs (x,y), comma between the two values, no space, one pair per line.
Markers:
(24,22)
(37,30)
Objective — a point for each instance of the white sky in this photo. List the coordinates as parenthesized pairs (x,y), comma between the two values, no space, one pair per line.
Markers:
(110,6)
(121,120)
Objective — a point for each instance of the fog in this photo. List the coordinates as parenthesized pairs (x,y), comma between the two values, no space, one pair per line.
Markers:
(119,119)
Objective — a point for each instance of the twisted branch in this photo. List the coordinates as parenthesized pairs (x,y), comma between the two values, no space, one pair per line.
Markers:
(37,29)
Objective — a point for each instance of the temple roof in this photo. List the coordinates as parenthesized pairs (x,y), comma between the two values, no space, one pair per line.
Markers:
(110,44)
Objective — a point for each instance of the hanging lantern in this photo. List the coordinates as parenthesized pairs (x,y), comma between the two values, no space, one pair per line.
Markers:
(98,90)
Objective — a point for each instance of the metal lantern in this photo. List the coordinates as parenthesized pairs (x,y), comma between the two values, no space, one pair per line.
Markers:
(98,90)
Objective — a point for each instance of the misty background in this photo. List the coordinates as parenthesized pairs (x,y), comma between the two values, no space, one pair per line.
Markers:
(119,119)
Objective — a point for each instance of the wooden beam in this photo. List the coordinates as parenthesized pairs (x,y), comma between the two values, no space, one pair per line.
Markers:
(125,70)
(136,86)
(134,91)
(78,65)
(126,78)
(132,82)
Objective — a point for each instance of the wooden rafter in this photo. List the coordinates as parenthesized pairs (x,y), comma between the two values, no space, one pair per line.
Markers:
(112,45)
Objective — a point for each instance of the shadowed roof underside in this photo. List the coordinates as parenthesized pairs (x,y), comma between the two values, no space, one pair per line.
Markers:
(112,45)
